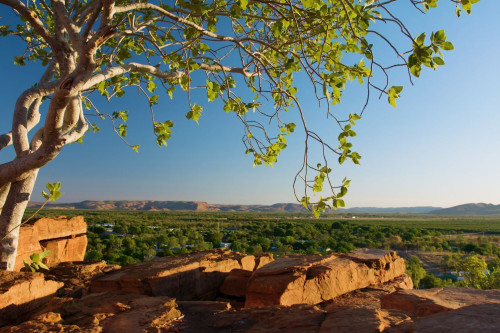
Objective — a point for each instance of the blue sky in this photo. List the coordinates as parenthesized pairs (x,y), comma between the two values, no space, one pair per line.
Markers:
(439,147)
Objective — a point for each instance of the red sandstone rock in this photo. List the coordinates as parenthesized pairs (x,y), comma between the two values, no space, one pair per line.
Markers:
(263,259)
(300,318)
(352,312)
(105,312)
(76,276)
(313,279)
(23,292)
(473,318)
(66,249)
(236,282)
(65,238)
(363,319)
(429,301)
(59,227)
(197,275)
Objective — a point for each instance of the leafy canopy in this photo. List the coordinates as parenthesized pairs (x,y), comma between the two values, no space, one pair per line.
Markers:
(231,50)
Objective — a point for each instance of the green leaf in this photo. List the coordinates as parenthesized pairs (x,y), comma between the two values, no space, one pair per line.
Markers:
(54,192)
(35,257)
(122,130)
(151,86)
(447,46)
(369,2)
(393,93)
(420,39)
(153,100)
(355,116)
(343,192)
(44,254)
(243,4)
(20,61)
(123,115)
(195,112)
(438,61)
(213,90)
(42,265)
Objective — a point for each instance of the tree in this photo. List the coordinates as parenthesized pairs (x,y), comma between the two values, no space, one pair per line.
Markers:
(106,47)
(415,270)
(474,271)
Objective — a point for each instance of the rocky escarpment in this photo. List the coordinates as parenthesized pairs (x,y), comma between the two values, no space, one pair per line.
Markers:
(197,275)
(225,291)
(65,239)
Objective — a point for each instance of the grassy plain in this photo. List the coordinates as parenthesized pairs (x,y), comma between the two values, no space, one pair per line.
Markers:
(451,224)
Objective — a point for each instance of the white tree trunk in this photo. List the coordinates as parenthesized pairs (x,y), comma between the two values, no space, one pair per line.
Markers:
(4,190)
(11,218)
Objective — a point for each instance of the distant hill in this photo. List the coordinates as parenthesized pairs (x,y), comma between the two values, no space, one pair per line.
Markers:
(469,209)
(407,210)
(152,205)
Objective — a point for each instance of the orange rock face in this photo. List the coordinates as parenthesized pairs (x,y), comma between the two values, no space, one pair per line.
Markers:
(236,283)
(107,312)
(65,238)
(197,275)
(312,279)
(375,307)
(426,302)
(473,318)
(22,292)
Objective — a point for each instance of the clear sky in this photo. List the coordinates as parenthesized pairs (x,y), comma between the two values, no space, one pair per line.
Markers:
(440,147)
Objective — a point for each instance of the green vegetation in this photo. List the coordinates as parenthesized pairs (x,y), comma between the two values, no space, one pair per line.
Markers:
(125,237)
(36,261)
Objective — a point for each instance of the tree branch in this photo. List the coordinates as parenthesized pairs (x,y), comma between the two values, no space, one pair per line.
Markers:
(32,18)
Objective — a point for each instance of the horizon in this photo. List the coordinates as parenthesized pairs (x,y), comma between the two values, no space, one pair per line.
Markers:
(258,204)
(413,155)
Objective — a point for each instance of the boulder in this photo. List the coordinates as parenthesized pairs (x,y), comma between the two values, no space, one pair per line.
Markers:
(312,279)
(23,292)
(65,238)
(426,302)
(196,275)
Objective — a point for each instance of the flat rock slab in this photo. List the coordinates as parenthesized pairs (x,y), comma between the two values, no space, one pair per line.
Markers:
(312,279)
(426,302)
(472,318)
(360,319)
(23,292)
(196,275)
(57,227)
(104,312)
(270,319)
(77,276)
